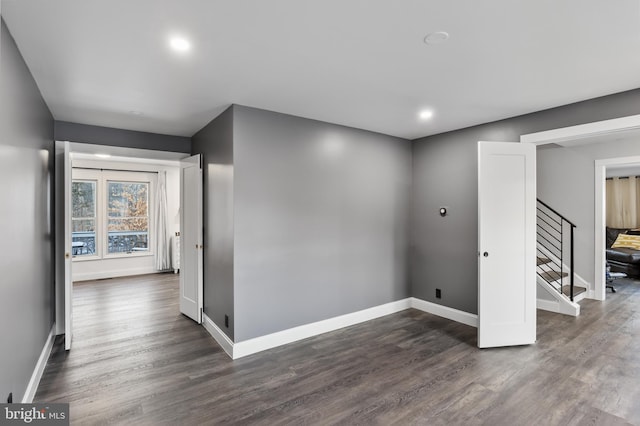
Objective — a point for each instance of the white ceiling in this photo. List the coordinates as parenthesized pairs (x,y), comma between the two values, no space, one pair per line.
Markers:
(360,63)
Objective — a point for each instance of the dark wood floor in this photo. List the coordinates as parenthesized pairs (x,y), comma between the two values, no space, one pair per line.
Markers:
(136,360)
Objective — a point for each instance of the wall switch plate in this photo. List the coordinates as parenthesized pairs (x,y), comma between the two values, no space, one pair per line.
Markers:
(438,293)
(226,321)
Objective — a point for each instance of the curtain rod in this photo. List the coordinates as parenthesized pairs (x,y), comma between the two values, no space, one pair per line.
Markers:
(114,170)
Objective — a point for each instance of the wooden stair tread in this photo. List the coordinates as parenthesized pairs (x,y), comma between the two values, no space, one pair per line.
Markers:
(566,290)
(551,276)
(542,260)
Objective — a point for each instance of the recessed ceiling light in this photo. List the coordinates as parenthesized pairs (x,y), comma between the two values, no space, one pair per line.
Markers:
(103,155)
(436,37)
(425,114)
(179,44)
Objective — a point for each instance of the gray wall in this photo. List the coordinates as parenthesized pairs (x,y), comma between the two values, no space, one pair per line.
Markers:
(74,132)
(321,220)
(26,249)
(624,171)
(215,143)
(444,250)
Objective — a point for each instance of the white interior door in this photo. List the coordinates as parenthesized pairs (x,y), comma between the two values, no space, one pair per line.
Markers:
(191,276)
(506,244)
(64,280)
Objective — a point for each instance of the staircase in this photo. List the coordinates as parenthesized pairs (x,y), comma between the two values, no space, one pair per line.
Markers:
(557,289)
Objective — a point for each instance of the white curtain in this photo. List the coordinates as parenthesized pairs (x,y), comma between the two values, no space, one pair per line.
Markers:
(623,202)
(163,254)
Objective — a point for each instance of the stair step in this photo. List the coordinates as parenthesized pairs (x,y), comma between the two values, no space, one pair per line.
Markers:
(542,260)
(566,290)
(551,276)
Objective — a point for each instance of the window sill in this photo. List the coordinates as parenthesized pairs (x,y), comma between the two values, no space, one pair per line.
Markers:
(112,256)
(129,254)
(84,258)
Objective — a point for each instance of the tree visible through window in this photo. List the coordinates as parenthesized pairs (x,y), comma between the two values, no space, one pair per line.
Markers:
(127,217)
(83,217)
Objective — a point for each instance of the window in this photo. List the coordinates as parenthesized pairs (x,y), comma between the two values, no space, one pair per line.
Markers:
(128,217)
(110,213)
(83,217)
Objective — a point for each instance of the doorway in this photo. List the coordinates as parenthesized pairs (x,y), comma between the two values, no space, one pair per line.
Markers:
(602,168)
(614,130)
(110,183)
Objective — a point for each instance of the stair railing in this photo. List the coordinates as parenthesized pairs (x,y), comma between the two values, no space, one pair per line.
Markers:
(555,251)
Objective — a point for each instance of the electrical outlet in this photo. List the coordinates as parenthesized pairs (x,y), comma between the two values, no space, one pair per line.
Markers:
(438,293)
(10,398)
(226,321)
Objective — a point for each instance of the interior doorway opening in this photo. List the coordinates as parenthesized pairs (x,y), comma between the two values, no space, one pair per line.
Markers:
(609,166)
(622,221)
(613,130)
(118,214)
(125,216)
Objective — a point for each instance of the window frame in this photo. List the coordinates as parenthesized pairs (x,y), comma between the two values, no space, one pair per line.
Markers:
(96,231)
(87,177)
(103,177)
(150,239)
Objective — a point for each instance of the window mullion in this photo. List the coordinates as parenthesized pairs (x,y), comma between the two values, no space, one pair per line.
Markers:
(103,227)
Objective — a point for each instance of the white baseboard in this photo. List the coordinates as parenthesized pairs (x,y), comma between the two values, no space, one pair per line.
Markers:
(32,387)
(269,341)
(259,344)
(218,335)
(560,305)
(101,275)
(566,308)
(445,312)
(548,305)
